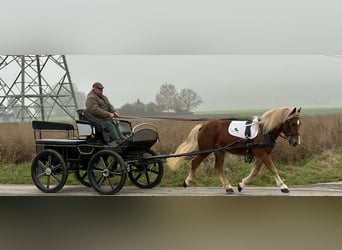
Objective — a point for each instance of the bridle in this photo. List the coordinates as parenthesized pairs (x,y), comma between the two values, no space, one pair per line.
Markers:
(292,132)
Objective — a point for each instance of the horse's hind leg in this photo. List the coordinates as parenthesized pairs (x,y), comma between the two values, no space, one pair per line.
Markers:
(194,164)
(219,160)
(255,170)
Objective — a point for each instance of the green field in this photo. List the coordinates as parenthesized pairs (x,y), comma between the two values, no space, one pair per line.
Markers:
(326,167)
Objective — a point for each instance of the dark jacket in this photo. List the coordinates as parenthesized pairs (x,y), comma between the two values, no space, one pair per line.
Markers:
(98,106)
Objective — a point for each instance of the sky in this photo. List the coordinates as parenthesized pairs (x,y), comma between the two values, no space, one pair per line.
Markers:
(224,82)
(234,54)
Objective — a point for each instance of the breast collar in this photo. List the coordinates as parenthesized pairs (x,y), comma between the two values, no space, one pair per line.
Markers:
(267,140)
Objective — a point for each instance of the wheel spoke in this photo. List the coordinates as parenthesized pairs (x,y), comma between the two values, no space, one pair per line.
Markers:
(83,175)
(111,164)
(116,173)
(49,160)
(97,170)
(138,176)
(56,167)
(111,184)
(41,175)
(147,178)
(103,162)
(55,177)
(102,179)
(48,181)
(41,165)
(153,171)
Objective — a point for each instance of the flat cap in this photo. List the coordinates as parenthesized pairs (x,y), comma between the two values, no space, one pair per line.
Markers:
(98,85)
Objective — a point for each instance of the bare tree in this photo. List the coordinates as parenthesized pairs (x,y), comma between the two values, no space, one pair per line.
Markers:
(189,99)
(167,97)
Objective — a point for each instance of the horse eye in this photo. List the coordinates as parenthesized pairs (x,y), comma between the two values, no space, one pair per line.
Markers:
(295,123)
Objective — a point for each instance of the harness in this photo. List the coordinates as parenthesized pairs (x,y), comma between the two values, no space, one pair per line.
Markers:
(267,141)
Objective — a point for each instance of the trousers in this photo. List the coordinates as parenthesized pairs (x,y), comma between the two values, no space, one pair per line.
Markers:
(113,129)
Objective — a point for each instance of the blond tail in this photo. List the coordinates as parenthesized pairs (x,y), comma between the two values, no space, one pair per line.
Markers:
(190,144)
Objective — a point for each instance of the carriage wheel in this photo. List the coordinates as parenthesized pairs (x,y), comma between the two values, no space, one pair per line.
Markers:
(107,172)
(146,174)
(48,171)
(82,177)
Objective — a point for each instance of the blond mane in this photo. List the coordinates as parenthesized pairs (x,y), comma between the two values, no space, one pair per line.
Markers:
(275,117)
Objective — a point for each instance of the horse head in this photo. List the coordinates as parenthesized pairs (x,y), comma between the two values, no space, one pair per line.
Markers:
(291,127)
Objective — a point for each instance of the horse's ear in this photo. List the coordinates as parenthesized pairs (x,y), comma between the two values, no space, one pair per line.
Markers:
(299,110)
(293,111)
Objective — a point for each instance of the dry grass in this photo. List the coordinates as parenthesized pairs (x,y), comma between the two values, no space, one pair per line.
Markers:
(319,134)
(16,143)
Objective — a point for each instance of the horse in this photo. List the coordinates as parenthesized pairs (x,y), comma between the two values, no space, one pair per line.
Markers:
(257,141)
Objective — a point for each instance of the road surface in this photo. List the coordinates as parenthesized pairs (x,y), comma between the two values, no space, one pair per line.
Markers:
(324,189)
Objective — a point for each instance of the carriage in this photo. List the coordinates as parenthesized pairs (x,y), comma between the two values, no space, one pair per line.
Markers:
(84,150)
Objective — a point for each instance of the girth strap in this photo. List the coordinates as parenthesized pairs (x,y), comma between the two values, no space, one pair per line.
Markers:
(248,128)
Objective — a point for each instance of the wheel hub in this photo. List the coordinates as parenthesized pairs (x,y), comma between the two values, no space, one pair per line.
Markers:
(48,171)
(106,172)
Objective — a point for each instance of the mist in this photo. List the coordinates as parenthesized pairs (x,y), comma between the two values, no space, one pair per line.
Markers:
(224,82)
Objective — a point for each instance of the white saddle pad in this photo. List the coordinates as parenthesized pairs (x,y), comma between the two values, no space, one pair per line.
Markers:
(238,129)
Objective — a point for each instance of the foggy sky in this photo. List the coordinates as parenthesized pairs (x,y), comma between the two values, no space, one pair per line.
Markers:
(224,82)
(234,54)
(171,27)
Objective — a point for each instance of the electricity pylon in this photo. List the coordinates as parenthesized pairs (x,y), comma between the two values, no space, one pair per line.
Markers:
(36,87)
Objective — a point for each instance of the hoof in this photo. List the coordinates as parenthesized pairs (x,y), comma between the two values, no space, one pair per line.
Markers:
(239,187)
(229,191)
(285,190)
(184,184)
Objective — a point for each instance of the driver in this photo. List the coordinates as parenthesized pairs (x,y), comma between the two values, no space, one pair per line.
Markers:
(101,110)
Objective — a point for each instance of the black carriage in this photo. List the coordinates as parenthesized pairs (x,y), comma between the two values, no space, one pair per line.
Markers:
(85,151)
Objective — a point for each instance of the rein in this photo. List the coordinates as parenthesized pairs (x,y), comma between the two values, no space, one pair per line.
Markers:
(164,118)
(180,118)
(283,136)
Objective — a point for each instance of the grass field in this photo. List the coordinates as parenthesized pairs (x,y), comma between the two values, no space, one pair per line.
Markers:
(326,167)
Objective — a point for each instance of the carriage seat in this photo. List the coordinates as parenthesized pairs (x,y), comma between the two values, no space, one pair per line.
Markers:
(39,127)
(84,118)
(65,130)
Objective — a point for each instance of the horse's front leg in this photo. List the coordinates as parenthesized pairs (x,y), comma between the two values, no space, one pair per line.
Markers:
(270,165)
(254,171)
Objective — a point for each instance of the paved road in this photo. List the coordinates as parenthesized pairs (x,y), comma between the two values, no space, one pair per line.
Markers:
(324,189)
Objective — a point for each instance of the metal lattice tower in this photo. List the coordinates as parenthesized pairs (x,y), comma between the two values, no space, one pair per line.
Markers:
(35,87)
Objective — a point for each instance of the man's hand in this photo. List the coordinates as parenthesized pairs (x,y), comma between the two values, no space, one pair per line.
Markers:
(113,115)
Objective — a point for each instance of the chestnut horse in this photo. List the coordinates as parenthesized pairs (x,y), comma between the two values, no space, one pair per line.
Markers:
(214,136)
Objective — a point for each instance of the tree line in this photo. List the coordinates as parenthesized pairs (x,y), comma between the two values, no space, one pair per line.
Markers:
(167,100)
